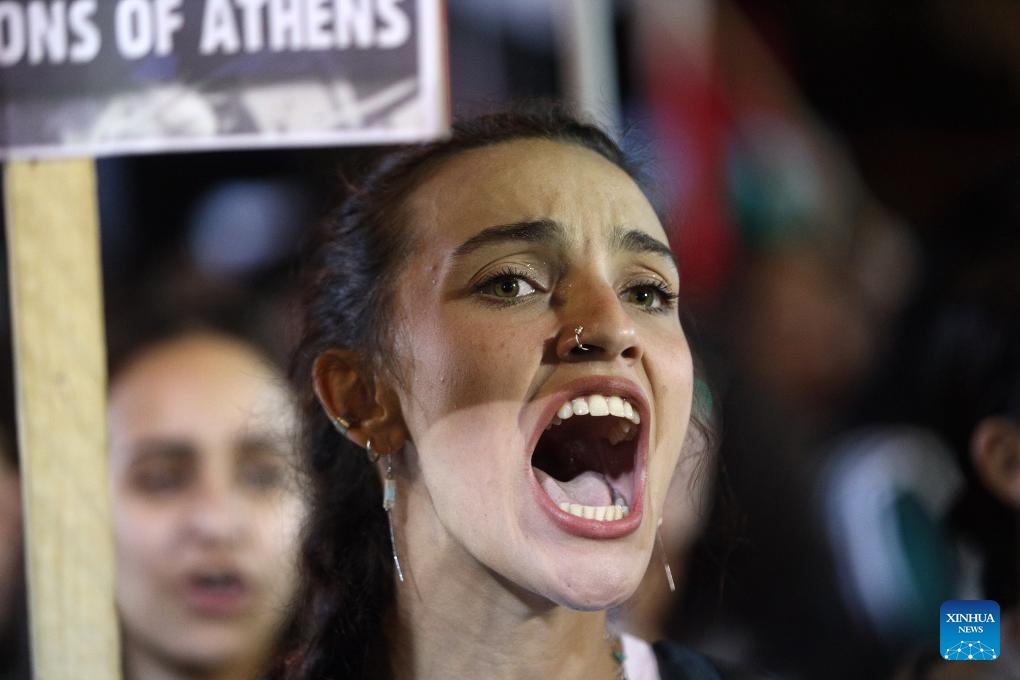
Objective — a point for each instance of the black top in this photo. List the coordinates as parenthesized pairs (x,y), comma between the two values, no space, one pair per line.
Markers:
(677,662)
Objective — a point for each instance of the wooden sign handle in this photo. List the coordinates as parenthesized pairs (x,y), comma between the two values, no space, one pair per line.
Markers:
(60,366)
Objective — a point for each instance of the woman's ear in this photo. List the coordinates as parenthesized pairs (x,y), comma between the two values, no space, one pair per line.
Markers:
(995,453)
(350,390)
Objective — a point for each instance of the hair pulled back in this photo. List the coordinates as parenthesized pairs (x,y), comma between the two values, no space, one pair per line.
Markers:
(348,285)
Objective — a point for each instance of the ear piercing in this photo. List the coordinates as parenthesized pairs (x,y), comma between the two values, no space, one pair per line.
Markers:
(577,338)
(342,425)
(373,456)
(665,559)
(389,501)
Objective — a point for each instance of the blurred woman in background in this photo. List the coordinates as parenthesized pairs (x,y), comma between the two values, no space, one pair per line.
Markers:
(206,510)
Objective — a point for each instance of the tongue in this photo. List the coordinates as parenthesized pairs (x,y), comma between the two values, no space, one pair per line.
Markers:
(588,488)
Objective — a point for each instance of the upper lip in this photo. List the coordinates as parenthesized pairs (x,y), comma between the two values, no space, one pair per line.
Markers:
(595,384)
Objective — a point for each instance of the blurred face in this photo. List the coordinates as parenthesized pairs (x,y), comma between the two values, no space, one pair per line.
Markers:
(542,461)
(205,510)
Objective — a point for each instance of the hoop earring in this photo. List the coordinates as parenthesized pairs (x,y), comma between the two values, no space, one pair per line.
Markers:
(373,456)
(665,560)
(390,500)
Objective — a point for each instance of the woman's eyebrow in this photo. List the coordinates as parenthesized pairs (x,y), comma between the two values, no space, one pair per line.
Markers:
(533,231)
(636,241)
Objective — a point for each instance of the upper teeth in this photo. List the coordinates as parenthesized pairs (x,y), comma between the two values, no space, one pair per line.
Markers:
(597,405)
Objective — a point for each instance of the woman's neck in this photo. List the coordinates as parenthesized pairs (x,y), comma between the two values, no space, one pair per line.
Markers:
(457,633)
(455,619)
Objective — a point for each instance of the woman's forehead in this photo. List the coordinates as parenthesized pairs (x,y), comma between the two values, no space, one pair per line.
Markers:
(530,180)
(193,382)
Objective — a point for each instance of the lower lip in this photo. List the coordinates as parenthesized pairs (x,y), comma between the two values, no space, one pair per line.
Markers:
(590,528)
(217,602)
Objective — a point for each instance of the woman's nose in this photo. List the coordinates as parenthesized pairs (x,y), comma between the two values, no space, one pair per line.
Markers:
(596,326)
(217,515)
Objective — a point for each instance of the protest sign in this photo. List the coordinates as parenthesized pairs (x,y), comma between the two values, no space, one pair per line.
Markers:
(100,77)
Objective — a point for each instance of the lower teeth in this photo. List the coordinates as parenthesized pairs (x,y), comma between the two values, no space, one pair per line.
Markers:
(602,513)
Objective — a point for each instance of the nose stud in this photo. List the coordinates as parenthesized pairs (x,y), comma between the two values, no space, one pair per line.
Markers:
(577,338)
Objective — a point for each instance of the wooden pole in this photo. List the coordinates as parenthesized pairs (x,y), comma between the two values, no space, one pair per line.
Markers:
(60,364)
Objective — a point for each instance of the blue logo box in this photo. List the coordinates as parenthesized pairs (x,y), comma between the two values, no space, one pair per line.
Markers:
(969,630)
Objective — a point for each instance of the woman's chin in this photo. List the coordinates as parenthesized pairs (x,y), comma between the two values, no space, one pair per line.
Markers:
(212,652)
(593,599)
(594,588)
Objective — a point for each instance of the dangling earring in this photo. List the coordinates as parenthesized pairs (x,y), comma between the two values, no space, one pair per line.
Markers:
(389,500)
(372,455)
(665,560)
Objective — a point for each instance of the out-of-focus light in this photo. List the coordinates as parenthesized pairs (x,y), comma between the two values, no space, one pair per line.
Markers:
(245,225)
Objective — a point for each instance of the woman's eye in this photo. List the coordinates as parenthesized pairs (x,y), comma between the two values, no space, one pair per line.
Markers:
(160,480)
(507,287)
(650,296)
(262,476)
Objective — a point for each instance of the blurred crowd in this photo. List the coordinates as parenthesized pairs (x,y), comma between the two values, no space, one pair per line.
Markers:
(842,184)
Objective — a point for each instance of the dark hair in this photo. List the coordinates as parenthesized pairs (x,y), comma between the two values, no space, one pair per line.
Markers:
(183,302)
(349,279)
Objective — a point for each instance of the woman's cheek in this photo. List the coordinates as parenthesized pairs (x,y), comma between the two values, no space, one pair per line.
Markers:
(132,520)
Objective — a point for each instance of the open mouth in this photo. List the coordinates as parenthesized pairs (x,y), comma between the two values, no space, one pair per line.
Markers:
(217,582)
(217,592)
(585,460)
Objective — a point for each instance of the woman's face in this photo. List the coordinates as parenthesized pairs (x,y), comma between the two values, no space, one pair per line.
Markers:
(206,513)
(517,245)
